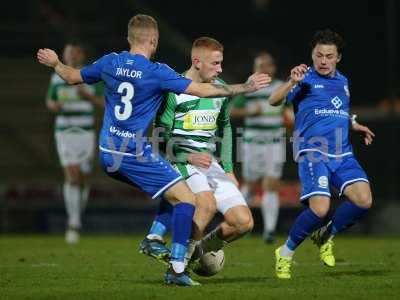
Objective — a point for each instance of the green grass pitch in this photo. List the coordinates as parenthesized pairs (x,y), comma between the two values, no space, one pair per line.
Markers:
(109,267)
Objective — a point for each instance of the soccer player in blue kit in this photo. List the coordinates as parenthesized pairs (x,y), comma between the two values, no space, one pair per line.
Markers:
(134,89)
(320,97)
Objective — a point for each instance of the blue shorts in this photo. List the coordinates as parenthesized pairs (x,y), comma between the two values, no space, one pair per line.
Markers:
(317,173)
(150,172)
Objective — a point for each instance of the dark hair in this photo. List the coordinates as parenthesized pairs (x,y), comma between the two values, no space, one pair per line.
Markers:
(328,37)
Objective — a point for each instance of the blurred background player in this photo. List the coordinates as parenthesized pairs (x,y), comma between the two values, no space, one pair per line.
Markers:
(74,135)
(264,145)
(197,124)
(134,89)
(321,100)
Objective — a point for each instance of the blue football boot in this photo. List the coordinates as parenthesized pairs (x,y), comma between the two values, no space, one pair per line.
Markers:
(156,249)
(180,279)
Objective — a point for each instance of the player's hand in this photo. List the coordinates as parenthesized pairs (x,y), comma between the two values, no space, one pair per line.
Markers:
(257,81)
(47,57)
(298,73)
(202,160)
(232,177)
(364,130)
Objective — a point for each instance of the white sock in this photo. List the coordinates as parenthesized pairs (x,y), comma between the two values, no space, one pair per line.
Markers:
(286,252)
(178,266)
(211,242)
(72,196)
(190,250)
(270,211)
(85,191)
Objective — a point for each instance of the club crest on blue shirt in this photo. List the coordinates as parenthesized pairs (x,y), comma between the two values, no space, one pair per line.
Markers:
(323,182)
(346,89)
(337,103)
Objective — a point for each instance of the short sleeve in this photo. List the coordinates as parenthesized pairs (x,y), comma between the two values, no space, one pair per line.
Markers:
(92,73)
(171,81)
(295,92)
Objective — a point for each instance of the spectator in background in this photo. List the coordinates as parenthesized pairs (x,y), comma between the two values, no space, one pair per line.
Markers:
(264,147)
(74,135)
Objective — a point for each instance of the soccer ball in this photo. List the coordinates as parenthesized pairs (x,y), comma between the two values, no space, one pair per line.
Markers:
(210,263)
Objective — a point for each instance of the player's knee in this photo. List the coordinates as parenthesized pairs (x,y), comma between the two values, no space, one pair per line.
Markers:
(248,227)
(206,207)
(180,193)
(364,200)
(245,227)
(321,210)
(319,205)
(244,223)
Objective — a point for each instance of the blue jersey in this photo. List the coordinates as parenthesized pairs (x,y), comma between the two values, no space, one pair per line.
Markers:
(321,106)
(134,89)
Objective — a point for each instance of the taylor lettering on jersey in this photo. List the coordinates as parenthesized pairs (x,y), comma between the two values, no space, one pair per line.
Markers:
(128,73)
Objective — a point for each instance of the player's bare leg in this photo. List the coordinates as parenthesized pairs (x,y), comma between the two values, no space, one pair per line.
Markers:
(270,207)
(360,194)
(74,181)
(205,211)
(238,221)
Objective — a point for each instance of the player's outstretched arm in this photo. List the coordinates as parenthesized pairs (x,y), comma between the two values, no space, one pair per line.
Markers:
(49,58)
(254,82)
(296,75)
(363,130)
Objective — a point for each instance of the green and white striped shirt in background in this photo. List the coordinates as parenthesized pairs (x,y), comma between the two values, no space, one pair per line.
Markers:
(267,127)
(76,112)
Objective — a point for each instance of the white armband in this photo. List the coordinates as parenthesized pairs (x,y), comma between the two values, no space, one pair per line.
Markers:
(353,119)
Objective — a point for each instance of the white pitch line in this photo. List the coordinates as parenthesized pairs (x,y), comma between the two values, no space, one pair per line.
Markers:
(43,265)
(23,265)
(343,263)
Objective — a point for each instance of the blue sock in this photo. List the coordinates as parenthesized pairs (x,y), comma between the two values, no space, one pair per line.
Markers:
(181,229)
(162,221)
(304,225)
(345,216)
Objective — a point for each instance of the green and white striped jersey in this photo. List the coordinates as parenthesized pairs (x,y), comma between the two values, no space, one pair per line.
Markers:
(197,125)
(267,125)
(76,112)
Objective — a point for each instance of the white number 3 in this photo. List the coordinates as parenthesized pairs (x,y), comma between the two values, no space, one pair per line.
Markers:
(127,88)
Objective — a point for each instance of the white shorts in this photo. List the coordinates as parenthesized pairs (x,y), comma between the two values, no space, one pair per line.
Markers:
(76,148)
(263,160)
(213,179)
